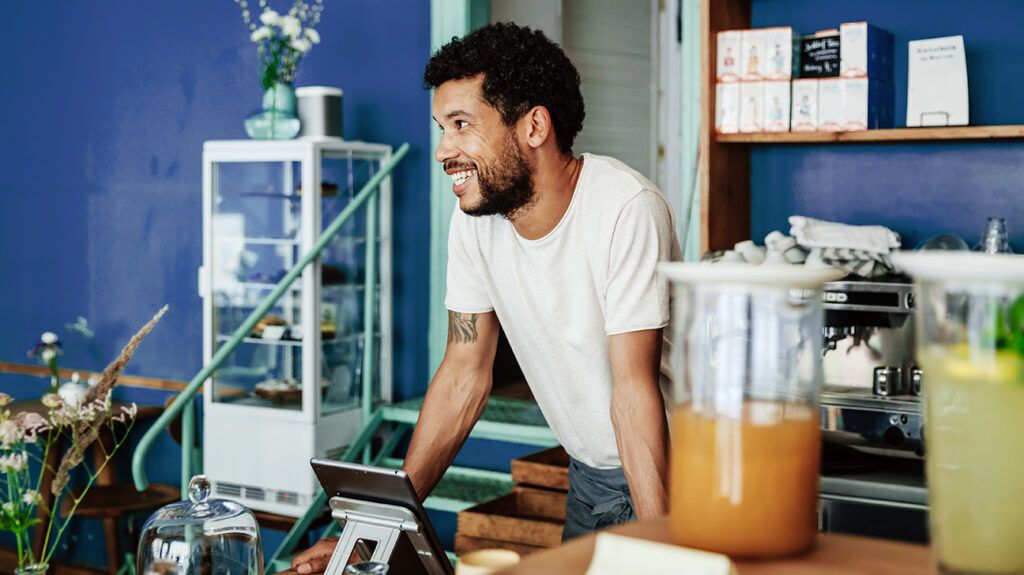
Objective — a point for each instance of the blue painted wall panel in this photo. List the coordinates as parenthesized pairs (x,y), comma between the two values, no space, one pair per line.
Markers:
(100,157)
(106,108)
(917,189)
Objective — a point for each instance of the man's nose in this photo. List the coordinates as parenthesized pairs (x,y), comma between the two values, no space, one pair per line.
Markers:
(444,149)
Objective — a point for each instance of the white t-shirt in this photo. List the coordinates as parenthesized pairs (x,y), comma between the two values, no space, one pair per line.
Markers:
(559,297)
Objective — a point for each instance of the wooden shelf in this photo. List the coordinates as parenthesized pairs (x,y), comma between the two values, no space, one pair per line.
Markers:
(895,135)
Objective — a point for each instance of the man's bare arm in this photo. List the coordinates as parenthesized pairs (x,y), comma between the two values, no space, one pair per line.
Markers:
(638,415)
(455,399)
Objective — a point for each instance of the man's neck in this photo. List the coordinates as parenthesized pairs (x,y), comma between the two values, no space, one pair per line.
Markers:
(554,184)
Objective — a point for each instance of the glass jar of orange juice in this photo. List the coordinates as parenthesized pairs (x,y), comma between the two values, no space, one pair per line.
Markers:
(745,420)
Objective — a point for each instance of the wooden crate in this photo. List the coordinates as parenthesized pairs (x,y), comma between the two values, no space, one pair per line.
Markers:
(527,516)
(548,469)
(464,544)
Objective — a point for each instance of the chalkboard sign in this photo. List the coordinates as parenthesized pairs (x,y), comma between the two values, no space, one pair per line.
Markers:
(819,56)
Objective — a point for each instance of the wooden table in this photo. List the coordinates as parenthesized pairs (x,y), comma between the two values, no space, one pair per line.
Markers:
(834,555)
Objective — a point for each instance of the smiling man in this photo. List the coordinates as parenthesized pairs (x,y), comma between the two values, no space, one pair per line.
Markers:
(560,250)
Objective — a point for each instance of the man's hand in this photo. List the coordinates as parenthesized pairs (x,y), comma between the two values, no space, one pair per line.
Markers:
(316,558)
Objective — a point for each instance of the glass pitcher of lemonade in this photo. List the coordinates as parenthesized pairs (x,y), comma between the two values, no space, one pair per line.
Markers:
(970,344)
(745,419)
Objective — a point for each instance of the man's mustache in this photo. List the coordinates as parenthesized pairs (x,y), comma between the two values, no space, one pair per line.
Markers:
(453,165)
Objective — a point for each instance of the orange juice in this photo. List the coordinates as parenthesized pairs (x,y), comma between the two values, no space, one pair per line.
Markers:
(746,485)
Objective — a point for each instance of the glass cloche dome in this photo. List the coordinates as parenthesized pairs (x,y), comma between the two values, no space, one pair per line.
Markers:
(201,536)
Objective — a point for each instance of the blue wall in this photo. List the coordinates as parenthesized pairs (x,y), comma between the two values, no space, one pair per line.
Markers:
(107,108)
(918,189)
(105,111)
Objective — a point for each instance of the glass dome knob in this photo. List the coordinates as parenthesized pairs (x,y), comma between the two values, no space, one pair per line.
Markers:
(199,489)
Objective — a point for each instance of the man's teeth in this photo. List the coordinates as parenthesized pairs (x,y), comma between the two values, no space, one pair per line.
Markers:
(460,178)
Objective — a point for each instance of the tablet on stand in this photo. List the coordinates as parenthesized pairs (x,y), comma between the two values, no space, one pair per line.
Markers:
(382,519)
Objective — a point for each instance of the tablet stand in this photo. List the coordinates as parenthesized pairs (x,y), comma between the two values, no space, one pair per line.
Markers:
(383,525)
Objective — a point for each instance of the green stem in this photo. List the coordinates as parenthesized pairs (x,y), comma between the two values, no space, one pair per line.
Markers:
(17,534)
(47,554)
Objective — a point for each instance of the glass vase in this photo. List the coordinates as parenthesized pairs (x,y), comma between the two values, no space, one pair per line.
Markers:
(277,119)
(32,569)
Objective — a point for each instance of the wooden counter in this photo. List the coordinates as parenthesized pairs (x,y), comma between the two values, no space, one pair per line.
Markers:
(834,555)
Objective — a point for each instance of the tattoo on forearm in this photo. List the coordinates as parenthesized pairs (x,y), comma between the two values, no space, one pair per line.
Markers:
(462,327)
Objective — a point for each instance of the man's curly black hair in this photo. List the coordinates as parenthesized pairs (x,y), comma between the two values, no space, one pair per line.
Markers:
(522,68)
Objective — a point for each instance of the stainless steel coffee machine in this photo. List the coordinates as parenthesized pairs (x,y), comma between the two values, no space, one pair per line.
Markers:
(871,418)
(872,385)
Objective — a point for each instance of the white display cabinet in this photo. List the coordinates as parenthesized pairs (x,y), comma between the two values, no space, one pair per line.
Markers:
(292,390)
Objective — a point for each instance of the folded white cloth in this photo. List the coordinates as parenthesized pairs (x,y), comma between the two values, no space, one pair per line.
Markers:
(811,233)
(860,262)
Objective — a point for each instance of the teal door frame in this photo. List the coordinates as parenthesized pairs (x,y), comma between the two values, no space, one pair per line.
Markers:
(448,19)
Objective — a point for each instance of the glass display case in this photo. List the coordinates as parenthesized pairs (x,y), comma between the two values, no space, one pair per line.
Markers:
(293,388)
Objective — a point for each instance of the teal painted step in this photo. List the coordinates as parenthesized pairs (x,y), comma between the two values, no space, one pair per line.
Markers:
(504,419)
(462,487)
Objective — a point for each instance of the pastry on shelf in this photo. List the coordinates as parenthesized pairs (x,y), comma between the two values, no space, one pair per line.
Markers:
(331,275)
(328,330)
(268,321)
(278,390)
(326,189)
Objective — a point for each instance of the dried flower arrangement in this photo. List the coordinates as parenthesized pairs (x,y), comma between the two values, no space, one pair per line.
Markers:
(26,438)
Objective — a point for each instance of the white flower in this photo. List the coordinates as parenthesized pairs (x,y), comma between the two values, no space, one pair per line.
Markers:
(51,400)
(13,463)
(31,497)
(49,338)
(5,399)
(270,18)
(9,508)
(130,411)
(291,26)
(301,45)
(48,355)
(260,33)
(30,421)
(312,35)
(10,432)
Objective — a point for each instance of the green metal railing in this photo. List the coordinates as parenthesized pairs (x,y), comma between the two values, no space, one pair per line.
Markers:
(184,401)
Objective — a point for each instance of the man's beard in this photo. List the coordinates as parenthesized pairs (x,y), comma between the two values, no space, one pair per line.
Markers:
(506,188)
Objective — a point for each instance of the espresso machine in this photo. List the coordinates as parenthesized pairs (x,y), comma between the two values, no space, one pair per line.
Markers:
(872,480)
(872,385)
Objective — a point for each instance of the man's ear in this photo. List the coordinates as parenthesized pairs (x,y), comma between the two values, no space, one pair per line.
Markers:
(536,124)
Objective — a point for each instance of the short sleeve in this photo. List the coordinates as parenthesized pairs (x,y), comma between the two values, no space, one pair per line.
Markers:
(466,291)
(636,298)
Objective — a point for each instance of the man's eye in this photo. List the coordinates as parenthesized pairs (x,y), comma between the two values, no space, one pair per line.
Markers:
(461,123)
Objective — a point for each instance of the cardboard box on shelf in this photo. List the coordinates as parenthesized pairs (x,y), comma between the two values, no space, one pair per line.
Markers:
(752,107)
(865,51)
(830,104)
(727,108)
(753,61)
(727,67)
(819,55)
(783,53)
(867,104)
(776,106)
(805,105)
